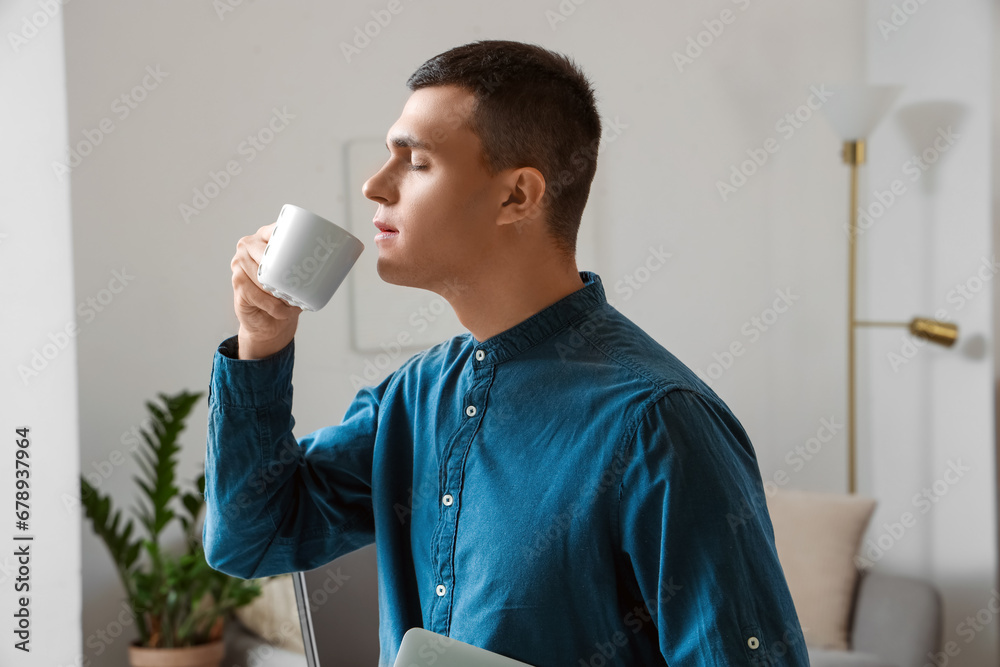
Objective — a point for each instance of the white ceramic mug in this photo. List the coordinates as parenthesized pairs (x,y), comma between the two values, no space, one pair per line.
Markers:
(307,258)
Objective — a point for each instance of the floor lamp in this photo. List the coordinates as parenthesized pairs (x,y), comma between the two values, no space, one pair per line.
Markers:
(854,111)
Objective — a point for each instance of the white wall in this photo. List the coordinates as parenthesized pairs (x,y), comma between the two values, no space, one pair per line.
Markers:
(38,388)
(680,133)
(995,171)
(936,408)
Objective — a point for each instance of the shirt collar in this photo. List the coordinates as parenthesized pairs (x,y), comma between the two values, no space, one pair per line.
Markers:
(544,323)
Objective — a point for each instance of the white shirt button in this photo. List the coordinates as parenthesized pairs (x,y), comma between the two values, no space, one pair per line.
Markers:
(441,589)
(753,642)
(471,411)
(447,500)
(480,355)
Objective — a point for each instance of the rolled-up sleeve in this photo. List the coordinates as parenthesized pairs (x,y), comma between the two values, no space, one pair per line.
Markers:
(693,522)
(275,504)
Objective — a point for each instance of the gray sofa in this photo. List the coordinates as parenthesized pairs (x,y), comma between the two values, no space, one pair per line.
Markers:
(896,623)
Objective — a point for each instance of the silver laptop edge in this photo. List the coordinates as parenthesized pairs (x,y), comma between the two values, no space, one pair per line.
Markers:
(305,618)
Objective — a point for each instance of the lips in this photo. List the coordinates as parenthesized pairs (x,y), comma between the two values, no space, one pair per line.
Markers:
(382,227)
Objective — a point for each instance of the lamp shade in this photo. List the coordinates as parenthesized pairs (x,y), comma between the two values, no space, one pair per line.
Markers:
(854,110)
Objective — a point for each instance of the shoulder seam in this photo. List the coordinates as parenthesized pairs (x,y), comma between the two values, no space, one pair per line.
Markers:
(625,363)
(621,453)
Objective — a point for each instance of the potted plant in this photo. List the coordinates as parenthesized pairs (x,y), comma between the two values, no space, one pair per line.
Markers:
(179,602)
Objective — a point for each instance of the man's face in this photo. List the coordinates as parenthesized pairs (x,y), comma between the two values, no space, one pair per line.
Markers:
(435,190)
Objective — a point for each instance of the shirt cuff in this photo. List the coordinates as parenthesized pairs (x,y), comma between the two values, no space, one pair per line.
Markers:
(250,383)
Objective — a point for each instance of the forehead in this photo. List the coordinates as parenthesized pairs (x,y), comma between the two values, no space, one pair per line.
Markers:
(433,119)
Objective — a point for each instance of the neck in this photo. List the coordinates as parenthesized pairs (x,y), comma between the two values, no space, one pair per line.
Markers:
(499,299)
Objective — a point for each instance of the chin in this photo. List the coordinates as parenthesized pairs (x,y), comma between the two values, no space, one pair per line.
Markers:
(393,274)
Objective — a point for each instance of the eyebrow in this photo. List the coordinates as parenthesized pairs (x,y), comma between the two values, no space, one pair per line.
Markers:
(407,141)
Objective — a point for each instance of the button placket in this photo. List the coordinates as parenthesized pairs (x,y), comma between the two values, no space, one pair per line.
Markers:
(451,486)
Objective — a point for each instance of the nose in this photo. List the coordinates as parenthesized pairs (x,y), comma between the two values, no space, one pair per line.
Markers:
(377,187)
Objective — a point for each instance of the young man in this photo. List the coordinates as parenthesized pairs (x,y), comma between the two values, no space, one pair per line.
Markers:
(553,485)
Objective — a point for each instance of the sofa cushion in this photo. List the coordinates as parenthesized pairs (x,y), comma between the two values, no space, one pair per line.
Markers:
(817,536)
(273,615)
(246,649)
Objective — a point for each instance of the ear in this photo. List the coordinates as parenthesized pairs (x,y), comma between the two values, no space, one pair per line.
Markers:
(525,191)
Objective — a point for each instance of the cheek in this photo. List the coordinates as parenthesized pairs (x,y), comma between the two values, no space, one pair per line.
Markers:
(445,206)
(435,202)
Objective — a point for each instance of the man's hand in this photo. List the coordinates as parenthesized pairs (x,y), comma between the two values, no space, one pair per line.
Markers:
(267,324)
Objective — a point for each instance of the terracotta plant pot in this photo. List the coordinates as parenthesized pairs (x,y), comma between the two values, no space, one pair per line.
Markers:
(205,655)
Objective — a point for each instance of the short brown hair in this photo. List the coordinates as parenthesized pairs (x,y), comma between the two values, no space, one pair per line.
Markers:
(533,108)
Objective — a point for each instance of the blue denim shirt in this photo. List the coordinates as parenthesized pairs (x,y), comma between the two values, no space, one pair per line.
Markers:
(565,492)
